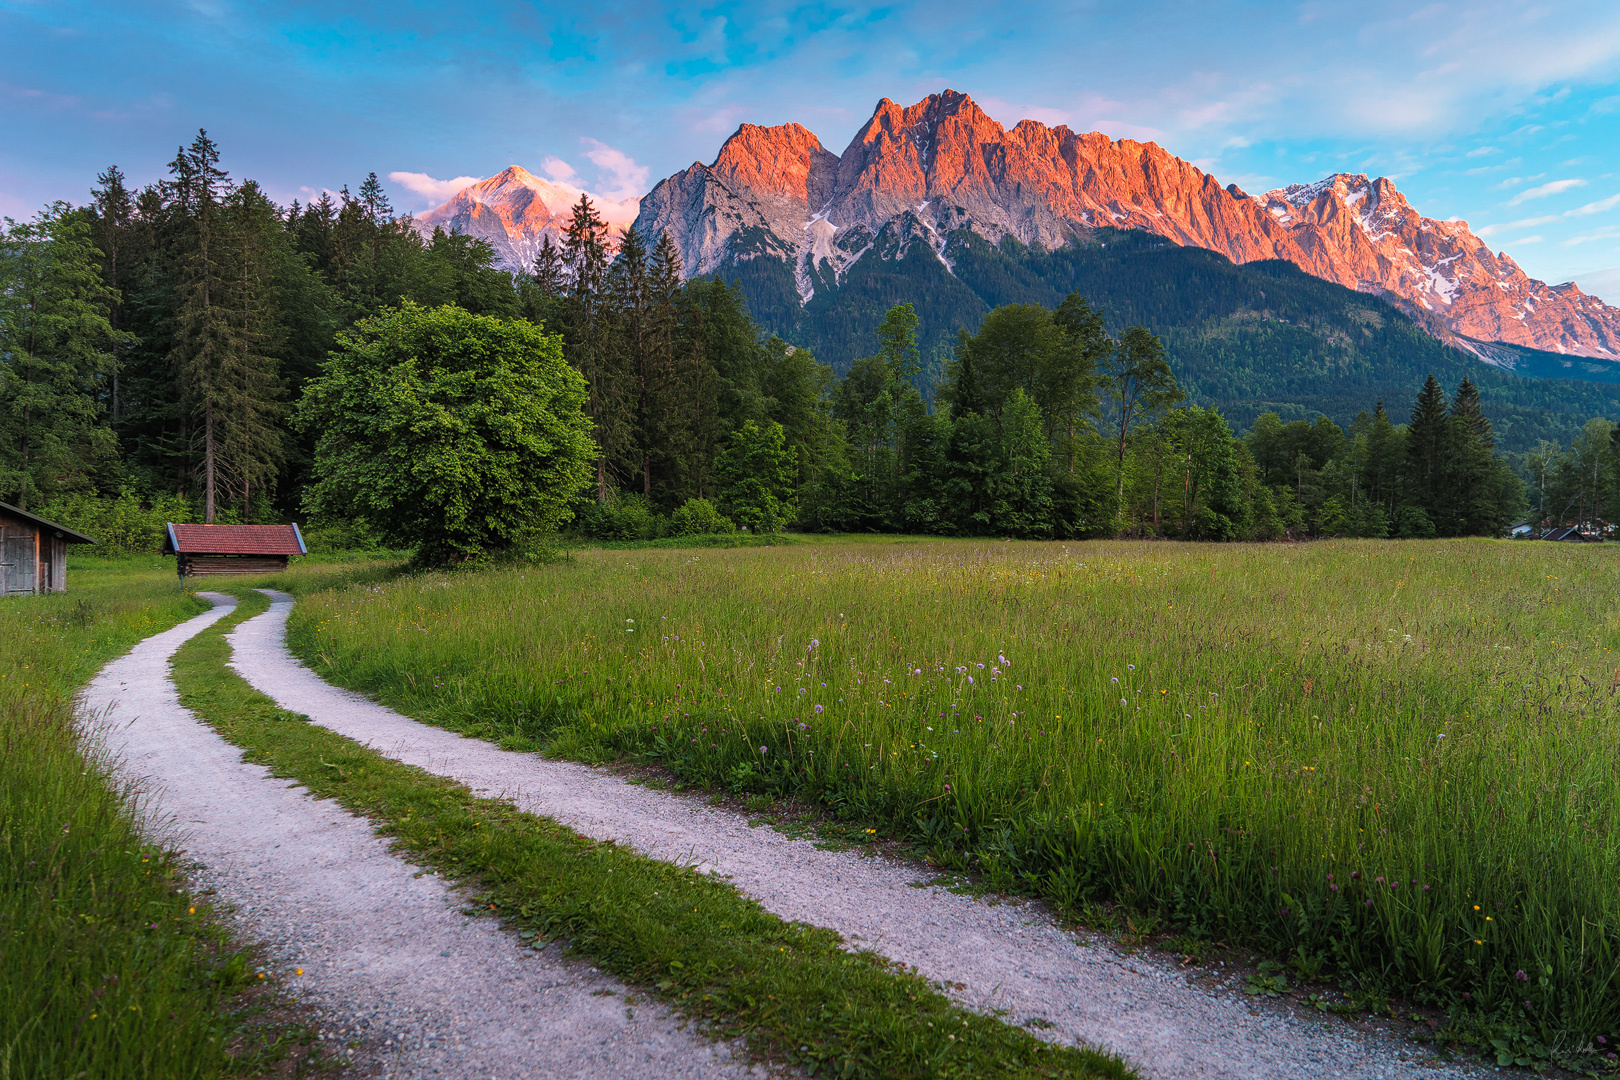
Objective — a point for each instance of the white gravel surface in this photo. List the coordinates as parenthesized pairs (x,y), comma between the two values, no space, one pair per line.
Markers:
(395,974)
(1007,956)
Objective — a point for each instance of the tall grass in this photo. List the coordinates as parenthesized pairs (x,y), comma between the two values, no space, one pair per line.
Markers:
(1398,761)
(106,968)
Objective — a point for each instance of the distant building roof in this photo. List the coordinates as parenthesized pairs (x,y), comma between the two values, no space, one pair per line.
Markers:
(234,540)
(1571,533)
(46,526)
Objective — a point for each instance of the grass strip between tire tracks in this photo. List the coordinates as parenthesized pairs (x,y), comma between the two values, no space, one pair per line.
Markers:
(790,990)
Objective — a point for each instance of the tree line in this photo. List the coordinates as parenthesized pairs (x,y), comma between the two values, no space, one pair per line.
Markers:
(157,347)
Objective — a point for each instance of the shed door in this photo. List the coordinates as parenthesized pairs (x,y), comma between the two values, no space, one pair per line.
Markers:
(19,560)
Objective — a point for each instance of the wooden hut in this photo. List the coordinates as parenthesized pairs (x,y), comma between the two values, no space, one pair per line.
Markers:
(33,553)
(212,550)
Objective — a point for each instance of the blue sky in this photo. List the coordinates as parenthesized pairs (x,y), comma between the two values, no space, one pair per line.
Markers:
(1506,114)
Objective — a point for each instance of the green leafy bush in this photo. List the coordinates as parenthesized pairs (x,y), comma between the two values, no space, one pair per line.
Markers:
(699,517)
(123,525)
(623,517)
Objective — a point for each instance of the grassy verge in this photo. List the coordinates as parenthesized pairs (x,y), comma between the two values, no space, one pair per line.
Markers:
(107,969)
(790,990)
(1391,763)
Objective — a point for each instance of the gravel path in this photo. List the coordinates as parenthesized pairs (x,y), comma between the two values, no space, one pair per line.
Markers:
(389,961)
(1001,956)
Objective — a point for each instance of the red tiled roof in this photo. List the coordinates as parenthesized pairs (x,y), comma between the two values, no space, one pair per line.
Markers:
(236,539)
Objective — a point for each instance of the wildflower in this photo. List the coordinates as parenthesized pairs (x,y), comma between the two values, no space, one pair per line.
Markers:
(1122,701)
(1114,681)
(1521,976)
(764,749)
(818,708)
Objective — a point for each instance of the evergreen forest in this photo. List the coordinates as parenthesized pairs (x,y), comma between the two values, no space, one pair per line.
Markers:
(160,349)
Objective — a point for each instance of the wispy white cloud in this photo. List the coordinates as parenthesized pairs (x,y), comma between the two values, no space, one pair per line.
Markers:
(426,186)
(1607,232)
(1523,223)
(1595,207)
(1542,191)
(1483,151)
(558,169)
(1523,240)
(1601,283)
(619,176)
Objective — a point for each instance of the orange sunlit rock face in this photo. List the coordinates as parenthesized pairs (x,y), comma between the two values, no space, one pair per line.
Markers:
(515,211)
(947,164)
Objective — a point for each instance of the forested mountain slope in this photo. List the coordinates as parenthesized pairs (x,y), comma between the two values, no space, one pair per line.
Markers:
(1247,339)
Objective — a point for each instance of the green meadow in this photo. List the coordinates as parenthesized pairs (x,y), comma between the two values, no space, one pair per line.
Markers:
(1393,763)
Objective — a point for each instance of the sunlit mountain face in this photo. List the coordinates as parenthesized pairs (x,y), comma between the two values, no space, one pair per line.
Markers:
(939,174)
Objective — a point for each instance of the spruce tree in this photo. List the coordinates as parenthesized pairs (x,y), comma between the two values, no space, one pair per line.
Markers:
(1426,438)
(56,345)
(1381,476)
(587,315)
(205,333)
(112,208)
(1471,505)
(249,388)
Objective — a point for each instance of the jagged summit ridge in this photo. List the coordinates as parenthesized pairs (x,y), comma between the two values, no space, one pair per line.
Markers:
(943,164)
(515,211)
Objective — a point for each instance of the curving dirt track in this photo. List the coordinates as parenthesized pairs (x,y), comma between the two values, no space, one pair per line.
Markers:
(389,963)
(1008,956)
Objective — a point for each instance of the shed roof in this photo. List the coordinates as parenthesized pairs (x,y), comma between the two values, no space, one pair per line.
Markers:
(234,540)
(46,526)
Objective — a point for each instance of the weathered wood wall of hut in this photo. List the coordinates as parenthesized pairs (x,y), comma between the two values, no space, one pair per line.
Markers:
(19,557)
(222,565)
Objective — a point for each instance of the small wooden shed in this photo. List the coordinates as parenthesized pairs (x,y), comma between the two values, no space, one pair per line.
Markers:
(213,550)
(33,553)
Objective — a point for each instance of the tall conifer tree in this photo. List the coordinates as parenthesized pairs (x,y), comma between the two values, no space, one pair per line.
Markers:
(1426,447)
(205,334)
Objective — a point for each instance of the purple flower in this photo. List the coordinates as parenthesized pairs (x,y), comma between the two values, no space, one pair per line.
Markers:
(766,749)
(818,708)
(1522,977)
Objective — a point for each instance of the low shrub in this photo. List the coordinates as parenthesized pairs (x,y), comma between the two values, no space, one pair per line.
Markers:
(623,517)
(698,517)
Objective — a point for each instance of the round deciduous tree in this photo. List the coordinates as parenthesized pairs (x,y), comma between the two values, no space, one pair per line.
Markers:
(453,432)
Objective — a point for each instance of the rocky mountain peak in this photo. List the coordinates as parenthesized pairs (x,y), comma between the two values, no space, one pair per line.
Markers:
(927,171)
(943,165)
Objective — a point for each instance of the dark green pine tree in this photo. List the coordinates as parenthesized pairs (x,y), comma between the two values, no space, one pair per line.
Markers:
(112,212)
(1426,439)
(56,347)
(249,386)
(637,339)
(588,332)
(1381,476)
(205,334)
(1472,502)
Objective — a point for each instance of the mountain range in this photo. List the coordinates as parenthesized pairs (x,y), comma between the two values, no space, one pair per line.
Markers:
(939,204)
